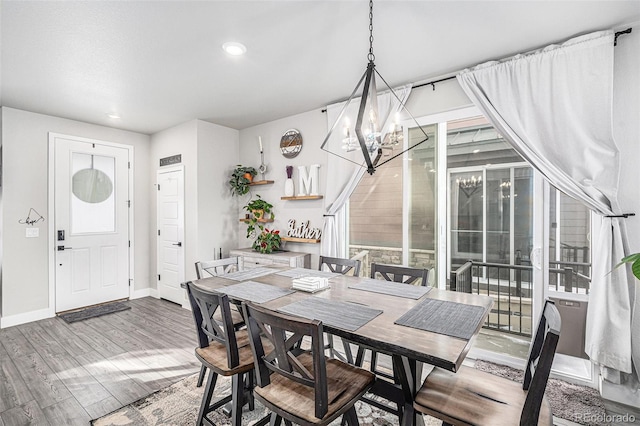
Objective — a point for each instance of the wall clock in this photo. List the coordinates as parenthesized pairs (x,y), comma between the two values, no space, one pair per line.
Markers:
(291,143)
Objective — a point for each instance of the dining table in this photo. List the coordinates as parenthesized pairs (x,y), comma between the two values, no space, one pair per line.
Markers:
(413,325)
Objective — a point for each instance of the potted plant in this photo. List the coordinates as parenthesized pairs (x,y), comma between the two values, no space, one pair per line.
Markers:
(259,207)
(267,241)
(241,177)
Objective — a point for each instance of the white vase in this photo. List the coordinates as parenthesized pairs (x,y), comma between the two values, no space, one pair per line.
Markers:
(288,188)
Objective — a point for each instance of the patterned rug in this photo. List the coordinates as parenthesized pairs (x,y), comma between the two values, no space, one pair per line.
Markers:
(179,404)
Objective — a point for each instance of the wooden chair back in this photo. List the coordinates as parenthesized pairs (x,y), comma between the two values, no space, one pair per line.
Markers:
(340,265)
(214,268)
(460,279)
(541,353)
(204,306)
(399,274)
(284,331)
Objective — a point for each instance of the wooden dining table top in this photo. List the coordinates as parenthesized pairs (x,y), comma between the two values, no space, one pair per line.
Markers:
(381,333)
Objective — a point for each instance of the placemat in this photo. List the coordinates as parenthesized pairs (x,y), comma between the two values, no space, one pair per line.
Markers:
(248,274)
(303,272)
(348,316)
(254,292)
(440,316)
(391,288)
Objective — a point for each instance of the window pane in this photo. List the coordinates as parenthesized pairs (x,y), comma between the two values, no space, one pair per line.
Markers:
(466,217)
(569,244)
(422,172)
(92,199)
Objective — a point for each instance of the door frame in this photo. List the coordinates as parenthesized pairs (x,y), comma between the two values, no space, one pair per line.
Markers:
(51,211)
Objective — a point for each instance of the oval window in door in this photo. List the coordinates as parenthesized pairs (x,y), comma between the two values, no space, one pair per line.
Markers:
(91,185)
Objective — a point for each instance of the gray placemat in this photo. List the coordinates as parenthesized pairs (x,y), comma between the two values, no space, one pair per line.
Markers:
(439,316)
(348,316)
(249,274)
(392,288)
(254,292)
(303,272)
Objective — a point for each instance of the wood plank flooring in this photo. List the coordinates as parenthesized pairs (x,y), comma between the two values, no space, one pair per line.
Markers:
(54,373)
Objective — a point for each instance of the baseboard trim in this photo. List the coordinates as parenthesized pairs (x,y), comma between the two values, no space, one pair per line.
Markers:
(11,320)
(145,292)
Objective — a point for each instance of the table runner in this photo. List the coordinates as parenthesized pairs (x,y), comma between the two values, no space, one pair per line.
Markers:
(303,272)
(439,316)
(391,288)
(348,316)
(254,291)
(248,274)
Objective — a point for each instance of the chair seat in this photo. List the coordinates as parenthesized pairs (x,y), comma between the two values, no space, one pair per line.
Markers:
(236,317)
(214,356)
(473,397)
(345,383)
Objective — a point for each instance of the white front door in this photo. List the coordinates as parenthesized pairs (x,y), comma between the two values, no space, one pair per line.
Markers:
(91,222)
(171,234)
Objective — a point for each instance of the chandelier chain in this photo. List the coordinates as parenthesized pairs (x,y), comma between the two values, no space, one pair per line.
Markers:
(371,56)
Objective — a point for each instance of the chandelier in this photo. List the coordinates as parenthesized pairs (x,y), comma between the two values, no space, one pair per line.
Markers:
(469,186)
(371,127)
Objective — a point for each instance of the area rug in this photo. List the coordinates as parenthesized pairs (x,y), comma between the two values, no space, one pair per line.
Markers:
(94,311)
(568,401)
(179,404)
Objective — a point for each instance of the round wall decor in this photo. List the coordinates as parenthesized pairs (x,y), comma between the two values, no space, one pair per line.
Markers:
(291,143)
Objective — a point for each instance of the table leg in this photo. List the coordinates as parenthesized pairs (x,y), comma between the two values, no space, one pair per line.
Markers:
(409,373)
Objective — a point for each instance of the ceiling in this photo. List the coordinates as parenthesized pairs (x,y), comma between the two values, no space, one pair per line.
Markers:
(160,63)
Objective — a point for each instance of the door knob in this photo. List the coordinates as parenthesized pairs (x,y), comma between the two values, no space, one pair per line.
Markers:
(179,244)
(63,248)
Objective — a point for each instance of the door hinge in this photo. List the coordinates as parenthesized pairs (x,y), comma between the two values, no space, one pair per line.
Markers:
(158,277)
(130,282)
(129,203)
(129,164)
(129,243)
(158,232)
(158,187)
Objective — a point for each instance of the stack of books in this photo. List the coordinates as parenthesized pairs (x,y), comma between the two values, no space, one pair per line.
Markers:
(310,284)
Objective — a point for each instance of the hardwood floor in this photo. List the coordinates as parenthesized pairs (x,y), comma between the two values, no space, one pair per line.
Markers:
(54,373)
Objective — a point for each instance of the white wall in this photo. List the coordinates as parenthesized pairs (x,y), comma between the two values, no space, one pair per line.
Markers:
(209,153)
(217,209)
(25,283)
(313,128)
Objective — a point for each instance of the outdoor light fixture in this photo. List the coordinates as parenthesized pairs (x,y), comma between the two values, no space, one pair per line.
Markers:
(372,124)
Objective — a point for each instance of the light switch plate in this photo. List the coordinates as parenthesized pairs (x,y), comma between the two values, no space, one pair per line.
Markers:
(33,232)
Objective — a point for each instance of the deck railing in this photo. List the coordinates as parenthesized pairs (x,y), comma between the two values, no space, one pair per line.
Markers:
(509,285)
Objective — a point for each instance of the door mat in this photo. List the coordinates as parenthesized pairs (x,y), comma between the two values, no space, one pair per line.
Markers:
(94,311)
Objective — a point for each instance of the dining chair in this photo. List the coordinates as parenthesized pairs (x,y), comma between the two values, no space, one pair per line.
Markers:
(474,397)
(215,268)
(301,386)
(390,389)
(342,266)
(224,350)
(339,265)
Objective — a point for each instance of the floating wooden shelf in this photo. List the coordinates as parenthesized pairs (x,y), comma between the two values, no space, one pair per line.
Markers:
(303,197)
(300,240)
(259,220)
(260,182)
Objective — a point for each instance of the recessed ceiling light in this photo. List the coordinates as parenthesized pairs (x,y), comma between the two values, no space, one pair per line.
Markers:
(475,151)
(113,115)
(233,48)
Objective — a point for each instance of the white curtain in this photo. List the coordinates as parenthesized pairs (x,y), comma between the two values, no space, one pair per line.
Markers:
(554,106)
(343,176)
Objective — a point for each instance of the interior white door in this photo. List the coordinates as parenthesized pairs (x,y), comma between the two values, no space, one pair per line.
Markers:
(92,223)
(171,234)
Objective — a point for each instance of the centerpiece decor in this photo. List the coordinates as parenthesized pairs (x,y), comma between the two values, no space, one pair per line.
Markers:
(241,177)
(267,241)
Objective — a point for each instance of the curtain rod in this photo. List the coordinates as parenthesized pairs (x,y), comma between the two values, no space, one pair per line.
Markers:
(433,83)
